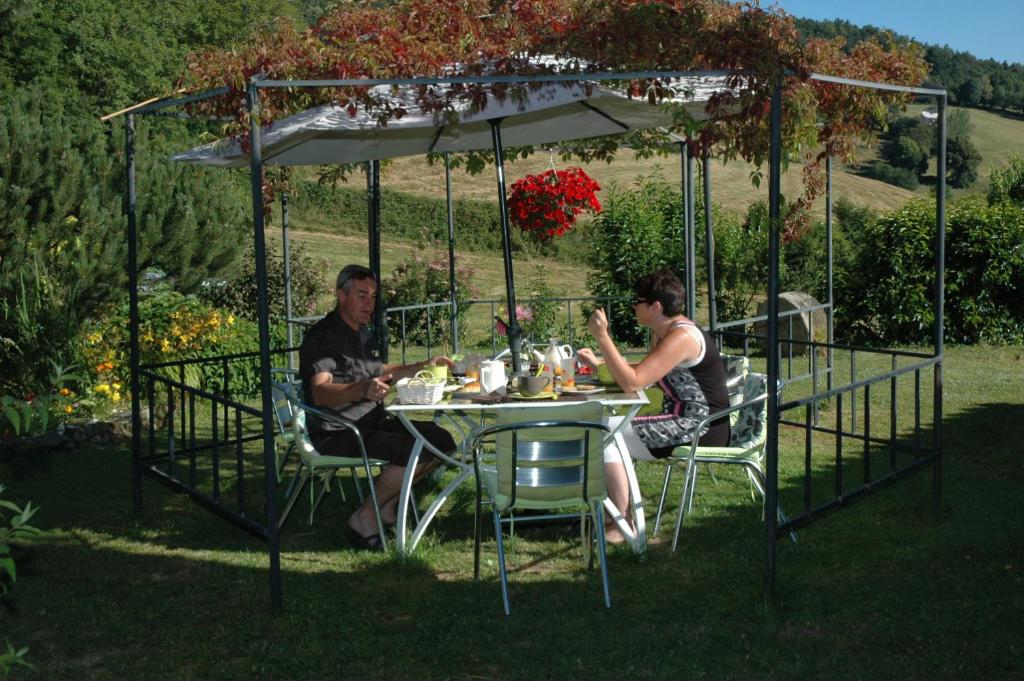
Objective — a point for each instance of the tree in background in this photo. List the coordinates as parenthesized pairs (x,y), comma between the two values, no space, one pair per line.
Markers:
(904,152)
(62,229)
(974,91)
(637,232)
(970,81)
(105,54)
(962,160)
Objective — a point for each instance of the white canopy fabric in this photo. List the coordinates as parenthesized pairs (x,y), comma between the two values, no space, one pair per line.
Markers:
(552,113)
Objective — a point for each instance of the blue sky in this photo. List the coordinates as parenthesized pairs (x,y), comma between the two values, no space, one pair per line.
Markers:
(986,28)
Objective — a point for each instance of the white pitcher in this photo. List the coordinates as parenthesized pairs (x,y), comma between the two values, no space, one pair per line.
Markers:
(492,375)
(555,353)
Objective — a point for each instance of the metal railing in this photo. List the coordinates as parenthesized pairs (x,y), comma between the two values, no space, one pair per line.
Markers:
(570,328)
(197,435)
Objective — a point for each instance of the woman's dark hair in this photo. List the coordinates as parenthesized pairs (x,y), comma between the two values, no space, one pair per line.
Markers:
(664,286)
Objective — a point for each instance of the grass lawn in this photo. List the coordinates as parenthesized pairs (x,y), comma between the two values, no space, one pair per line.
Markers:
(889,588)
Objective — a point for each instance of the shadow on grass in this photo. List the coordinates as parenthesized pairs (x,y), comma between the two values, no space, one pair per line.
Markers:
(886,588)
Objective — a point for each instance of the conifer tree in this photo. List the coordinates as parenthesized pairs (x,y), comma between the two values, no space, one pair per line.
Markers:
(63,248)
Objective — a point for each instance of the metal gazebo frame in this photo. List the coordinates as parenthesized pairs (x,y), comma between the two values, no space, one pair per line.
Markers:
(151,464)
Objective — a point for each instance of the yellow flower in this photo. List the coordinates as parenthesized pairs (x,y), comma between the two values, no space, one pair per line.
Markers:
(165,345)
(102,388)
(68,409)
(116,396)
(117,386)
(64,392)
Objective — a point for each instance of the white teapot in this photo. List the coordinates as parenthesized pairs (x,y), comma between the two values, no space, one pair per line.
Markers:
(492,375)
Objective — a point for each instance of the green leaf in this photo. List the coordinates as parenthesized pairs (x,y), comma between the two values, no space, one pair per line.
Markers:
(14,418)
(8,566)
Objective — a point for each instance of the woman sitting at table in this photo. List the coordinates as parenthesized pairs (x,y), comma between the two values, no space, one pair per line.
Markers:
(685,364)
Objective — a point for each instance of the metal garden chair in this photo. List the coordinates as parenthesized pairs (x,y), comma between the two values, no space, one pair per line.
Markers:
(747,439)
(543,459)
(313,465)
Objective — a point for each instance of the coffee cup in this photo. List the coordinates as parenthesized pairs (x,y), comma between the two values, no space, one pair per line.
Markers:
(533,385)
(437,371)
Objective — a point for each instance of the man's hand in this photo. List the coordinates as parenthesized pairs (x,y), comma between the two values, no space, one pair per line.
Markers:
(440,359)
(377,388)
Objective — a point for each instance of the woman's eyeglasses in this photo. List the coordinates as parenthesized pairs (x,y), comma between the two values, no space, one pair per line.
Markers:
(638,300)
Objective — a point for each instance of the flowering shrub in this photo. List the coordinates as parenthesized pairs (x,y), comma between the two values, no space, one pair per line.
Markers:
(37,412)
(172,327)
(238,294)
(422,280)
(547,205)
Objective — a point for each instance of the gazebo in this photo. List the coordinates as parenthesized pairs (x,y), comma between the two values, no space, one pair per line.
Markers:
(171,447)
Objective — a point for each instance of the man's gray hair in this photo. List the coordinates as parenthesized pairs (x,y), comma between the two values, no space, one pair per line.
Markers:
(350,272)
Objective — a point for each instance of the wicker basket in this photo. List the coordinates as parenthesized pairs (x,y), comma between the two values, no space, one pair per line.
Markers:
(423,388)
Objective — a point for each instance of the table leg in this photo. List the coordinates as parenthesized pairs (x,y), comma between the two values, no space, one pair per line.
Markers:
(403,542)
(638,538)
(403,496)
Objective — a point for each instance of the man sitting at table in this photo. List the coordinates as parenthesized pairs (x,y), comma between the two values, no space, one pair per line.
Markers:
(342,373)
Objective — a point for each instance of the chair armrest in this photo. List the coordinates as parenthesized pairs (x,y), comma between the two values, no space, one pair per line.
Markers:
(721,414)
(333,419)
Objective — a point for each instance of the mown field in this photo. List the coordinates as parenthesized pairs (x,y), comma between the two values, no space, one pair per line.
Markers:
(731,186)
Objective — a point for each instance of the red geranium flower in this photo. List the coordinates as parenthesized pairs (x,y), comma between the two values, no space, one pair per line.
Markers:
(547,204)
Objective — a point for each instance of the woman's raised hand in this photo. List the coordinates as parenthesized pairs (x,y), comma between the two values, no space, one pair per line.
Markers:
(598,323)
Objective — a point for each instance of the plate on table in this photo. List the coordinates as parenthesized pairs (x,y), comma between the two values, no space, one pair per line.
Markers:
(584,389)
(539,396)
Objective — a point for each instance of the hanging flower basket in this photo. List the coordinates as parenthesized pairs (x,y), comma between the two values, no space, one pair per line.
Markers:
(547,204)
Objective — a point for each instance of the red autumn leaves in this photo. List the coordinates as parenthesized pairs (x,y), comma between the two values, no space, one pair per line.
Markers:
(548,204)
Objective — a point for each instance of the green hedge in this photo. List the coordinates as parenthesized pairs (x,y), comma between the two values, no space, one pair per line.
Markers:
(424,218)
(888,296)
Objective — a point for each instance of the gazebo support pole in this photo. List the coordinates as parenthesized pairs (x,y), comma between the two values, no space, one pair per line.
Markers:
(940,294)
(515,332)
(774,215)
(829,269)
(287,253)
(452,286)
(709,247)
(133,312)
(380,326)
(691,256)
(263,319)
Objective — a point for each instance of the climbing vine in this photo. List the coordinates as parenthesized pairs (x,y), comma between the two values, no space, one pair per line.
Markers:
(757,46)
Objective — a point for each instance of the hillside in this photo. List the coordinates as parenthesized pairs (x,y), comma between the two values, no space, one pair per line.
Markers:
(996,136)
(731,185)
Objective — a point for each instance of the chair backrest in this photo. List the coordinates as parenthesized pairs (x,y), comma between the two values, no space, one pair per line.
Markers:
(736,369)
(751,426)
(283,410)
(290,393)
(556,464)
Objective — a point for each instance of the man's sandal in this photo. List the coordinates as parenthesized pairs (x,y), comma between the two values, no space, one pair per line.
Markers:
(370,543)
